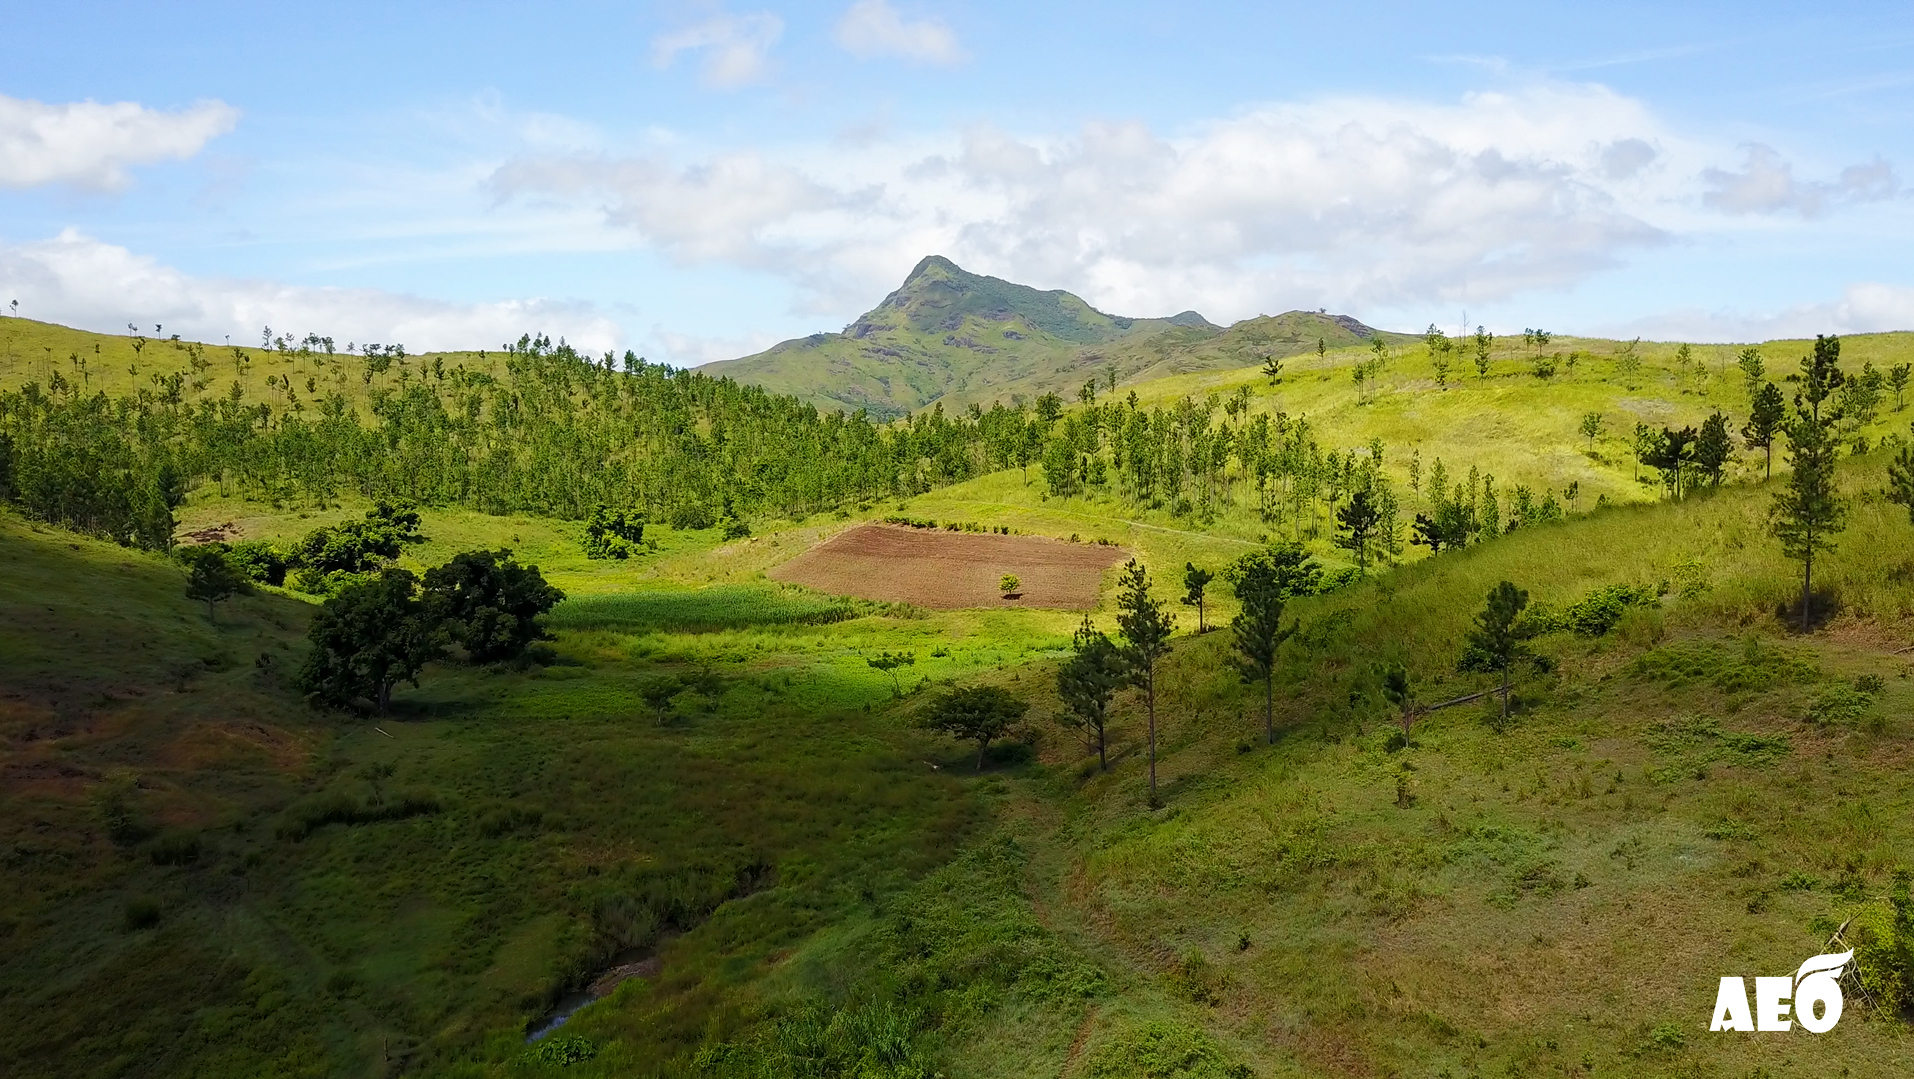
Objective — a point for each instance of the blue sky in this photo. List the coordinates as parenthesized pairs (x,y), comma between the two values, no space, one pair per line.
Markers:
(698,180)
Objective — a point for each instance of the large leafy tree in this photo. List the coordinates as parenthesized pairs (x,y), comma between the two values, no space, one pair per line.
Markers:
(977,713)
(1087,681)
(1808,513)
(1146,626)
(490,604)
(1264,581)
(370,637)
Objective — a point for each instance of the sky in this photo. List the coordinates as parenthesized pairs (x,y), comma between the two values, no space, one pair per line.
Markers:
(696,181)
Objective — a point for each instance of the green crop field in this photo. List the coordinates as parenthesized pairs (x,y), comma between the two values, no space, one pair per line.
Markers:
(719,792)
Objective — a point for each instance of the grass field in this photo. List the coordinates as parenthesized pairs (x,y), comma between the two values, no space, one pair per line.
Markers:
(205,877)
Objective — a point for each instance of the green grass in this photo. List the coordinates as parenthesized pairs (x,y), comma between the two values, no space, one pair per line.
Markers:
(331,910)
(721,607)
(205,878)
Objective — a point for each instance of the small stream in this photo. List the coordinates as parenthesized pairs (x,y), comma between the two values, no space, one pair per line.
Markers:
(637,963)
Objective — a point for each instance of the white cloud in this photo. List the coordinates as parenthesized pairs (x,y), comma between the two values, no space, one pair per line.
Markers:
(736,48)
(1353,202)
(1869,307)
(875,28)
(78,281)
(89,144)
(1766,184)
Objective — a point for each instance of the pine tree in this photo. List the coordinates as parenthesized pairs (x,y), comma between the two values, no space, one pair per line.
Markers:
(1358,519)
(1264,581)
(1146,629)
(1086,682)
(1769,410)
(1808,513)
(1195,581)
(1495,643)
(1900,478)
(1714,447)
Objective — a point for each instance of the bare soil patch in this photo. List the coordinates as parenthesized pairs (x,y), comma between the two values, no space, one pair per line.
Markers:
(953,569)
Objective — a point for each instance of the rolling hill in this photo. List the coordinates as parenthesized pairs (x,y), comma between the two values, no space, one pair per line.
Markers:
(957,337)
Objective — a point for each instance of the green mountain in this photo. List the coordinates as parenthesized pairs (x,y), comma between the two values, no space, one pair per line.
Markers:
(951,336)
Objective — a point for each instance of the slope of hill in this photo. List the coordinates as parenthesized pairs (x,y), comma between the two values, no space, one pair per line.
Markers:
(960,338)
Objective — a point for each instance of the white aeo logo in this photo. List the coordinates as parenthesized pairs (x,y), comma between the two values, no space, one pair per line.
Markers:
(1817,982)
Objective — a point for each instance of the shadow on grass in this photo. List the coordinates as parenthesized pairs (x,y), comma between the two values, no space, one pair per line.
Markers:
(1822,606)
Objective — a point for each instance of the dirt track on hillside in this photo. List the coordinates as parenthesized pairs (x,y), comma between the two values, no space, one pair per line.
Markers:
(952,569)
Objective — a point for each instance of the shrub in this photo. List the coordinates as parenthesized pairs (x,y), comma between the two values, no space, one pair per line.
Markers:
(174,847)
(259,561)
(613,533)
(691,517)
(337,807)
(1160,1049)
(141,913)
(1598,612)
(1838,704)
(1881,932)
(562,1050)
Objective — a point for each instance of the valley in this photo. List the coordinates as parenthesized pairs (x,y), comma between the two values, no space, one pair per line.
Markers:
(718,777)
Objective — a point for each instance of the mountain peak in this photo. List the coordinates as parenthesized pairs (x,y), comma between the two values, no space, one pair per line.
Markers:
(939,295)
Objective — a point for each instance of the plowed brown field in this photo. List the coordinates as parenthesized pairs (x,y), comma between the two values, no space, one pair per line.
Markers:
(952,569)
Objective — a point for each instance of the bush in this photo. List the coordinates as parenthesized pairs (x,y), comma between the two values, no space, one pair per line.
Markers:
(337,807)
(174,847)
(1600,610)
(691,517)
(562,1050)
(613,533)
(141,913)
(259,561)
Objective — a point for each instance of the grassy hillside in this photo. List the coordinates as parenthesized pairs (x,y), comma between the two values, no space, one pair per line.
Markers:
(1559,894)
(960,338)
(205,877)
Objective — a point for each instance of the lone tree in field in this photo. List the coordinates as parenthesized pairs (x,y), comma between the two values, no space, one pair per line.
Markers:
(368,638)
(1272,369)
(1495,643)
(1399,691)
(889,662)
(1591,427)
(1264,581)
(1483,341)
(1714,447)
(1769,410)
(211,578)
(490,604)
(1357,521)
(1808,514)
(1897,381)
(1146,629)
(1087,681)
(979,713)
(659,692)
(1008,583)
(1752,368)
(1195,583)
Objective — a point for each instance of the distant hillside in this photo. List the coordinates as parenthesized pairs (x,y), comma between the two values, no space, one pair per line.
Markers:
(953,336)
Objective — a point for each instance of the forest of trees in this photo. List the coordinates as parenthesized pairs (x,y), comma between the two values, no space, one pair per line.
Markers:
(544,429)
